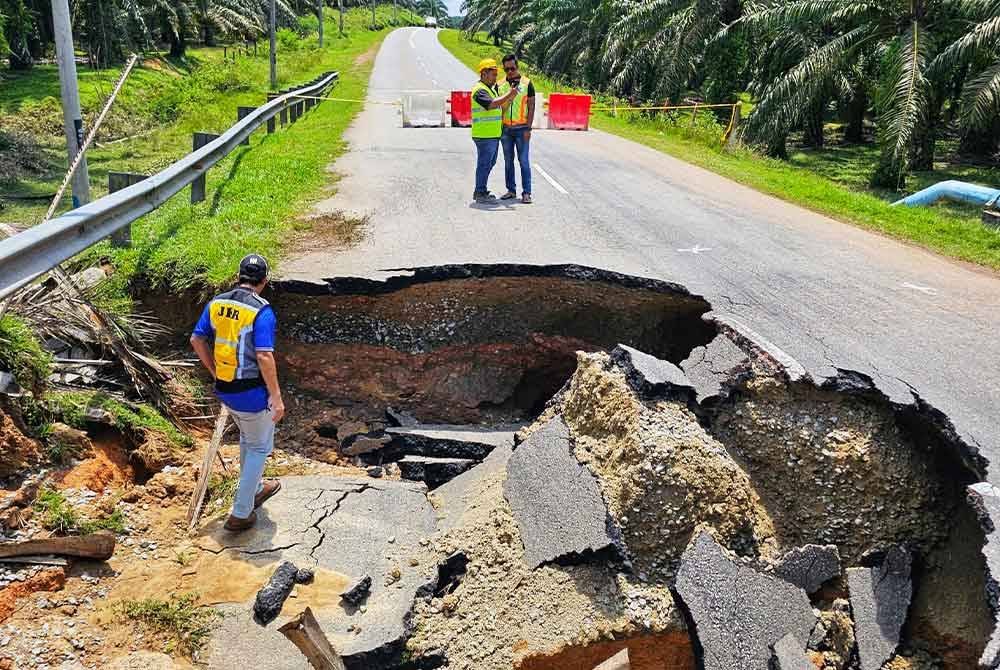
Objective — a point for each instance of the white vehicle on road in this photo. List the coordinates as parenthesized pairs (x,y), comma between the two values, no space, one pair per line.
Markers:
(430,22)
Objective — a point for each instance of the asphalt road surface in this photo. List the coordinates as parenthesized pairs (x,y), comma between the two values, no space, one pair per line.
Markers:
(829,294)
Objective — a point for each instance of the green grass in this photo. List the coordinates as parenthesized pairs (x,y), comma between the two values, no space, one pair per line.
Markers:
(831,181)
(132,419)
(254,194)
(59,516)
(22,354)
(221,490)
(176,622)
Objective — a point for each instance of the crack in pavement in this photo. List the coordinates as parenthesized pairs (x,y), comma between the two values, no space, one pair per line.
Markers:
(328,510)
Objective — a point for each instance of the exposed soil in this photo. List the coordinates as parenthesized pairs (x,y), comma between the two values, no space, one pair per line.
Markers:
(665,651)
(18,452)
(107,467)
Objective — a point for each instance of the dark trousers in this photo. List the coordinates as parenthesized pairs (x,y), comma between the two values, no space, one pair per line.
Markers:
(486,158)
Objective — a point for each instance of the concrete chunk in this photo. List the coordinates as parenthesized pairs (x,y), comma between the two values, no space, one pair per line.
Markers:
(738,612)
(880,597)
(651,376)
(789,654)
(809,566)
(556,501)
(433,471)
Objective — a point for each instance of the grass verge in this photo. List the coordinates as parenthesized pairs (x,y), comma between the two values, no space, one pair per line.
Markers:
(254,194)
(955,231)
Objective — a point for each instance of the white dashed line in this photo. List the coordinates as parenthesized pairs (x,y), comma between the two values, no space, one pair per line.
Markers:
(552,181)
(413,33)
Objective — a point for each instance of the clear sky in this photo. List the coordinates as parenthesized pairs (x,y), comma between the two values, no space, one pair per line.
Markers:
(454,7)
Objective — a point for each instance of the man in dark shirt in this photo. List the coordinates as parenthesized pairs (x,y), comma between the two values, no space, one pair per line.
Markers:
(517,120)
(487,124)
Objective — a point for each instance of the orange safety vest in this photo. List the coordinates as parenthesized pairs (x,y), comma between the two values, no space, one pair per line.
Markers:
(516,114)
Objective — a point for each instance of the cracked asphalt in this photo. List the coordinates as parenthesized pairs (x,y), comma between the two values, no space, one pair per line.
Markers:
(828,294)
(350,526)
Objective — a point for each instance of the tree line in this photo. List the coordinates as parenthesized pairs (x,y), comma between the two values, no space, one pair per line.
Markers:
(914,69)
(107,30)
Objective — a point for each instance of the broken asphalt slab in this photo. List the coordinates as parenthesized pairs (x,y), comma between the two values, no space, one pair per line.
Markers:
(985,500)
(809,566)
(789,654)
(714,367)
(354,527)
(432,471)
(556,500)
(448,441)
(651,376)
(738,614)
(880,597)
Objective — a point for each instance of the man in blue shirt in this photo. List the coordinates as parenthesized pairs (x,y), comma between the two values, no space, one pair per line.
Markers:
(234,340)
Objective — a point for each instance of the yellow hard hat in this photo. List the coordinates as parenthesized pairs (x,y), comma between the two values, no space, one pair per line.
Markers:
(487,64)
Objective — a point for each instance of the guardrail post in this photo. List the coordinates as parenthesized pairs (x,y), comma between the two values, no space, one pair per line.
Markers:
(198,185)
(270,121)
(116,182)
(293,111)
(283,114)
(241,113)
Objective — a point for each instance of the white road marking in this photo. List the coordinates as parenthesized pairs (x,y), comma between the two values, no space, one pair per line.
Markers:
(696,249)
(413,33)
(552,181)
(923,289)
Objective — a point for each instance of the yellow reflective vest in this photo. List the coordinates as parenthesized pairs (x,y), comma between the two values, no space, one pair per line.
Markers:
(233,314)
(486,123)
(517,113)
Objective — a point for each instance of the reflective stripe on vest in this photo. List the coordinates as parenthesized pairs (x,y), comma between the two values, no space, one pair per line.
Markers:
(486,123)
(232,315)
(517,113)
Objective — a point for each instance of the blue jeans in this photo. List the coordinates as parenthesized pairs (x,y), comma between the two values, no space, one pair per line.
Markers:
(513,138)
(256,444)
(486,158)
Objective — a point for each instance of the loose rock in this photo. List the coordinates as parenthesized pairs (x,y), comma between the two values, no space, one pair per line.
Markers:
(880,597)
(809,566)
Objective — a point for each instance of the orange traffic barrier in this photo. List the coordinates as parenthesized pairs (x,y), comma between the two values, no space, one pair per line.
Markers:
(569,111)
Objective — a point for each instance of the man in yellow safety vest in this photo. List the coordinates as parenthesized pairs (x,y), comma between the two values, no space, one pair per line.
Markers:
(487,124)
(517,120)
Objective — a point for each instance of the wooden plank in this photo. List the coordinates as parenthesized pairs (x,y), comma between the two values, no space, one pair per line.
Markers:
(305,633)
(198,497)
(97,546)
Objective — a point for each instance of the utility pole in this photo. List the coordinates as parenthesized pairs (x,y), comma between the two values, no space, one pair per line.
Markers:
(274,47)
(319,9)
(373,14)
(394,19)
(340,6)
(72,118)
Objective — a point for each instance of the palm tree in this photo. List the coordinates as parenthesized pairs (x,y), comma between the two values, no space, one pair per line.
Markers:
(975,54)
(435,8)
(230,18)
(656,47)
(902,34)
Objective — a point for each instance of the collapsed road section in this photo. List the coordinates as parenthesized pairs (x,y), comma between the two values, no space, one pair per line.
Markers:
(545,468)
(677,488)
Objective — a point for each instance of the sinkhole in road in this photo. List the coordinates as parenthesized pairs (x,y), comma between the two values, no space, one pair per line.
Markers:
(430,371)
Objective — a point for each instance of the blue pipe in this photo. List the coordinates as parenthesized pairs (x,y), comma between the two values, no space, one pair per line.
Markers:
(952,190)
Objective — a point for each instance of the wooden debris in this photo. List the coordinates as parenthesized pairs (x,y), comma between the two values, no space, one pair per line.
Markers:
(305,633)
(36,560)
(97,546)
(617,662)
(198,497)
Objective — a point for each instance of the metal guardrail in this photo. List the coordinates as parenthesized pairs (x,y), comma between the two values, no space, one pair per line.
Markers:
(35,251)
